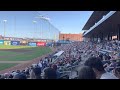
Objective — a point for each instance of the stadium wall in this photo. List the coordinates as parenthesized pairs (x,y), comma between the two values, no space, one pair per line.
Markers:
(71,37)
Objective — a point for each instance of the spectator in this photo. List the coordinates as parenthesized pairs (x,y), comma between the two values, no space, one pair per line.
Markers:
(44,64)
(50,73)
(118,55)
(10,76)
(97,66)
(18,71)
(20,76)
(40,64)
(6,75)
(86,72)
(27,72)
(117,70)
(101,56)
(58,73)
(2,76)
(23,71)
(35,73)
(14,73)
(113,63)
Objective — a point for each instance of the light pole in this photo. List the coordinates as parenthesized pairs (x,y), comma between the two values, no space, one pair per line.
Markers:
(4,26)
(15,24)
(45,19)
(49,29)
(34,22)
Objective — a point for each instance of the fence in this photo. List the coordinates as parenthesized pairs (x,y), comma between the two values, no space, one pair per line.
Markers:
(15,43)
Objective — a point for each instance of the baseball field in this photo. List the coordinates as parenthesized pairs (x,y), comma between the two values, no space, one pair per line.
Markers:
(12,55)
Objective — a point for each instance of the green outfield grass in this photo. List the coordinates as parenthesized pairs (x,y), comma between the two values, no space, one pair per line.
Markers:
(24,56)
(32,53)
(13,47)
(37,52)
(6,53)
(6,65)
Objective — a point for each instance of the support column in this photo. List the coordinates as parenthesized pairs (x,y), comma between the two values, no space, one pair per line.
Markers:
(101,36)
(118,34)
(108,37)
(97,38)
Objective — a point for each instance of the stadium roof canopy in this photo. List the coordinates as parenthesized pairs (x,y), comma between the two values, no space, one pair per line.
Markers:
(95,17)
(107,25)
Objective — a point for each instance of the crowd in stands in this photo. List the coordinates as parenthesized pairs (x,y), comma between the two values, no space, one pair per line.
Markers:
(90,60)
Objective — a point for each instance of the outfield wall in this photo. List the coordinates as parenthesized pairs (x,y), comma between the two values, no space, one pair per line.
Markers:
(1,42)
(32,44)
(16,43)
(7,42)
(41,44)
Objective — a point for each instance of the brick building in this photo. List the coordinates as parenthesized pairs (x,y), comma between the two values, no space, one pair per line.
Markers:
(71,37)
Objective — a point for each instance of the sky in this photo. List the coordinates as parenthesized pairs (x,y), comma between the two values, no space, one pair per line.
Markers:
(68,21)
(20,23)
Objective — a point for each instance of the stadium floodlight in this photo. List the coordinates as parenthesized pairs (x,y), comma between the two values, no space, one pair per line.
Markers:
(15,24)
(42,17)
(4,20)
(34,22)
(4,26)
(45,19)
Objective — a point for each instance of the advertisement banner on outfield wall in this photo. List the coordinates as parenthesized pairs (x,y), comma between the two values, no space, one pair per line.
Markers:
(31,43)
(23,42)
(41,43)
(7,42)
(15,43)
(1,42)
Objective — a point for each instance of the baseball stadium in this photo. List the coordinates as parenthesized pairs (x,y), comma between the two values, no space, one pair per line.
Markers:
(25,46)
(86,45)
